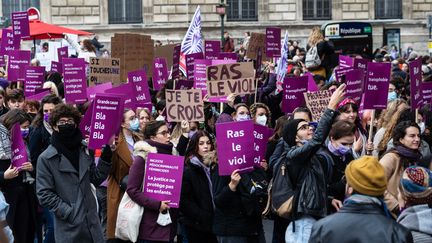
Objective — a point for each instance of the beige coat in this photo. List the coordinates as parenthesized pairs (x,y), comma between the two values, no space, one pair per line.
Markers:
(394,170)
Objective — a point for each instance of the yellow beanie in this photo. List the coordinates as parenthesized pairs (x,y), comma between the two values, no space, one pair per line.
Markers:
(366,176)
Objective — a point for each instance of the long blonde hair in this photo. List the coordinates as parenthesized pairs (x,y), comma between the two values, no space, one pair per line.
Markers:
(315,36)
(382,146)
(391,110)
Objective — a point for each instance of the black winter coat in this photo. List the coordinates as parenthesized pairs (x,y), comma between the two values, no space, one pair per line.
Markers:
(39,140)
(359,223)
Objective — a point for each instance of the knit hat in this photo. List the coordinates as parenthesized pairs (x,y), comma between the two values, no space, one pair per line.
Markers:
(366,176)
(416,185)
(290,131)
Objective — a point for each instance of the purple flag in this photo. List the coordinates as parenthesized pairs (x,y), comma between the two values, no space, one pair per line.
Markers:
(9,42)
(18,60)
(200,77)
(18,148)
(75,81)
(273,42)
(192,41)
(261,138)
(126,92)
(227,56)
(212,49)
(62,52)
(140,86)
(176,61)
(92,91)
(106,117)
(39,96)
(354,81)
(235,142)
(56,67)
(360,63)
(85,124)
(345,61)
(340,73)
(164,184)
(293,89)
(21,25)
(377,84)
(34,78)
(190,62)
(160,73)
(415,83)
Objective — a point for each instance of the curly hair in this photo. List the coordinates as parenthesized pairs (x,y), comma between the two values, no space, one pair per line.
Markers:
(392,109)
(315,36)
(395,120)
(253,109)
(62,111)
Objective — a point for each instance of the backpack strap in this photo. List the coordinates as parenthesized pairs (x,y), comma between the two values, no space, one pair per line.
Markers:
(329,162)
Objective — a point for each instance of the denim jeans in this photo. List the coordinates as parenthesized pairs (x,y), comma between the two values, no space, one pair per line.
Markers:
(303,230)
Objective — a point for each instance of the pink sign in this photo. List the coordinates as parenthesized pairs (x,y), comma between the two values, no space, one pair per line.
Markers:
(354,80)
(212,49)
(293,89)
(141,90)
(62,52)
(377,84)
(34,78)
(360,63)
(273,42)
(227,56)
(21,25)
(415,83)
(190,63)
(312,87)
(39,96)
(164,184)
(9,42)
(160,73)
(92,91)
(18,60)
(126,92)
(345,61)
(261,138)
(200,75)
(75,81)
(85,123)
(340,73)
(18,148)
(56,67)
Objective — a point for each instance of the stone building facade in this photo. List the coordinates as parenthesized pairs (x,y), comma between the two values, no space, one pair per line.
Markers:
(167,20)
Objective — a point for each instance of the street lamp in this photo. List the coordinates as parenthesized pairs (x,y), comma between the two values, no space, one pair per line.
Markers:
(220,9)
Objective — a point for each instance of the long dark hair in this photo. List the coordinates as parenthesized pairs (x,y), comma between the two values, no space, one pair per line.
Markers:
(192,149)
(400,131)
(14,116)
(152,128)
(49,99)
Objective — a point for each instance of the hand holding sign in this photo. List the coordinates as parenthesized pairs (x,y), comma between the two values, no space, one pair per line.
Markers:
(235,179)
(337,97)
(11,172)
(27,166)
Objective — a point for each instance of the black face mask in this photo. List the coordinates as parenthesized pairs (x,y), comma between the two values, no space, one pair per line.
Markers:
(66,130)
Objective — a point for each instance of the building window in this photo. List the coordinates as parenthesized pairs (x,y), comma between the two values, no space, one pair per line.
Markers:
(316,9)
(242,10)
(388,9)
(10,6)
(125,11)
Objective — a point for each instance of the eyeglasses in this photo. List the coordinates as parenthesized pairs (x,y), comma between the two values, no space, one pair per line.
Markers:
(305,127)
(163,133)
(64,122)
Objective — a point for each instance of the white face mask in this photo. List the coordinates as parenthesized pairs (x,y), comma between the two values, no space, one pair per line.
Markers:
(262,120)
(242,117)
(160,118)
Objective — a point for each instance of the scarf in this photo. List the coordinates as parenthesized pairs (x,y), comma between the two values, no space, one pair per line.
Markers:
(411,154)
(48,127)
(5,143)
(162,148)
(194,160)
(68,146)
(360,199)
(417,218)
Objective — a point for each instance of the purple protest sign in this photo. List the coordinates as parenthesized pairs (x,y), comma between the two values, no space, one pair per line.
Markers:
(39,96)
(160,73)
(183,84)
(312,87)
(354,81)
(200,77)
(21,25)
(212,49)
(163,184)
(340,73)
(126,92)
(2,61)
(9,42)
(92,91)
(273,42)
(345,61)
(415,83)
(227,56)
(190,62)
(293,89)
(85,122)
(40,90)
(360,63)
(18,148)
(176,62)
(140,86)
(75,81)
(426,91)
(377,84)
(34,78)
(261,138)
(222,61)
(62,52)
(18,60)
(235,146)
(56,67)
(107,109)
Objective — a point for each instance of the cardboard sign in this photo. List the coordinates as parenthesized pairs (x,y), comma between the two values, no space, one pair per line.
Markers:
(9,42)
(62,52)
(18,60)
(273,42)
(176,62)
(415,83)
(345,61)
(190,63)
(75,81)
(160,73)
(20,24)
(184,105)
(377,84)
(56,67)
(163,178)
(18,148)
(104,70)
(235,142)
(225,79)
(34,78)
(354,80)
(85,123)
(293,89)
(200,75)
(166,52)
(317,102)
(257,41)
(261,138)
(212,49)
(92,91)
(107,110)
(141,90)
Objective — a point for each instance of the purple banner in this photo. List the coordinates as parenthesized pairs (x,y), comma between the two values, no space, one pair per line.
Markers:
(85,123)
(75,81)
(293,89)
(354,80)
(377,84)
(56,67)
(18,60)
(227,56)
(21,25)
(273,42)
(360,63)
(9,42)
(176,62)
(415,83)
(200,77)
(92,91)
(235,146)
(107,110)
(261,138)
(212,49)
(39,96)
(163,178)
(340,72)
(126,92)
(160,73)
(345,61)
(62,52)
(18,148)
(34,78)
(140,86)
(190,62)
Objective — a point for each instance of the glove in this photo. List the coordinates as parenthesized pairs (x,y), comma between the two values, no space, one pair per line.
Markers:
(106,154)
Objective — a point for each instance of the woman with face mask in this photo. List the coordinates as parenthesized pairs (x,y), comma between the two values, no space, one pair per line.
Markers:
(260,114)
(241,112)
